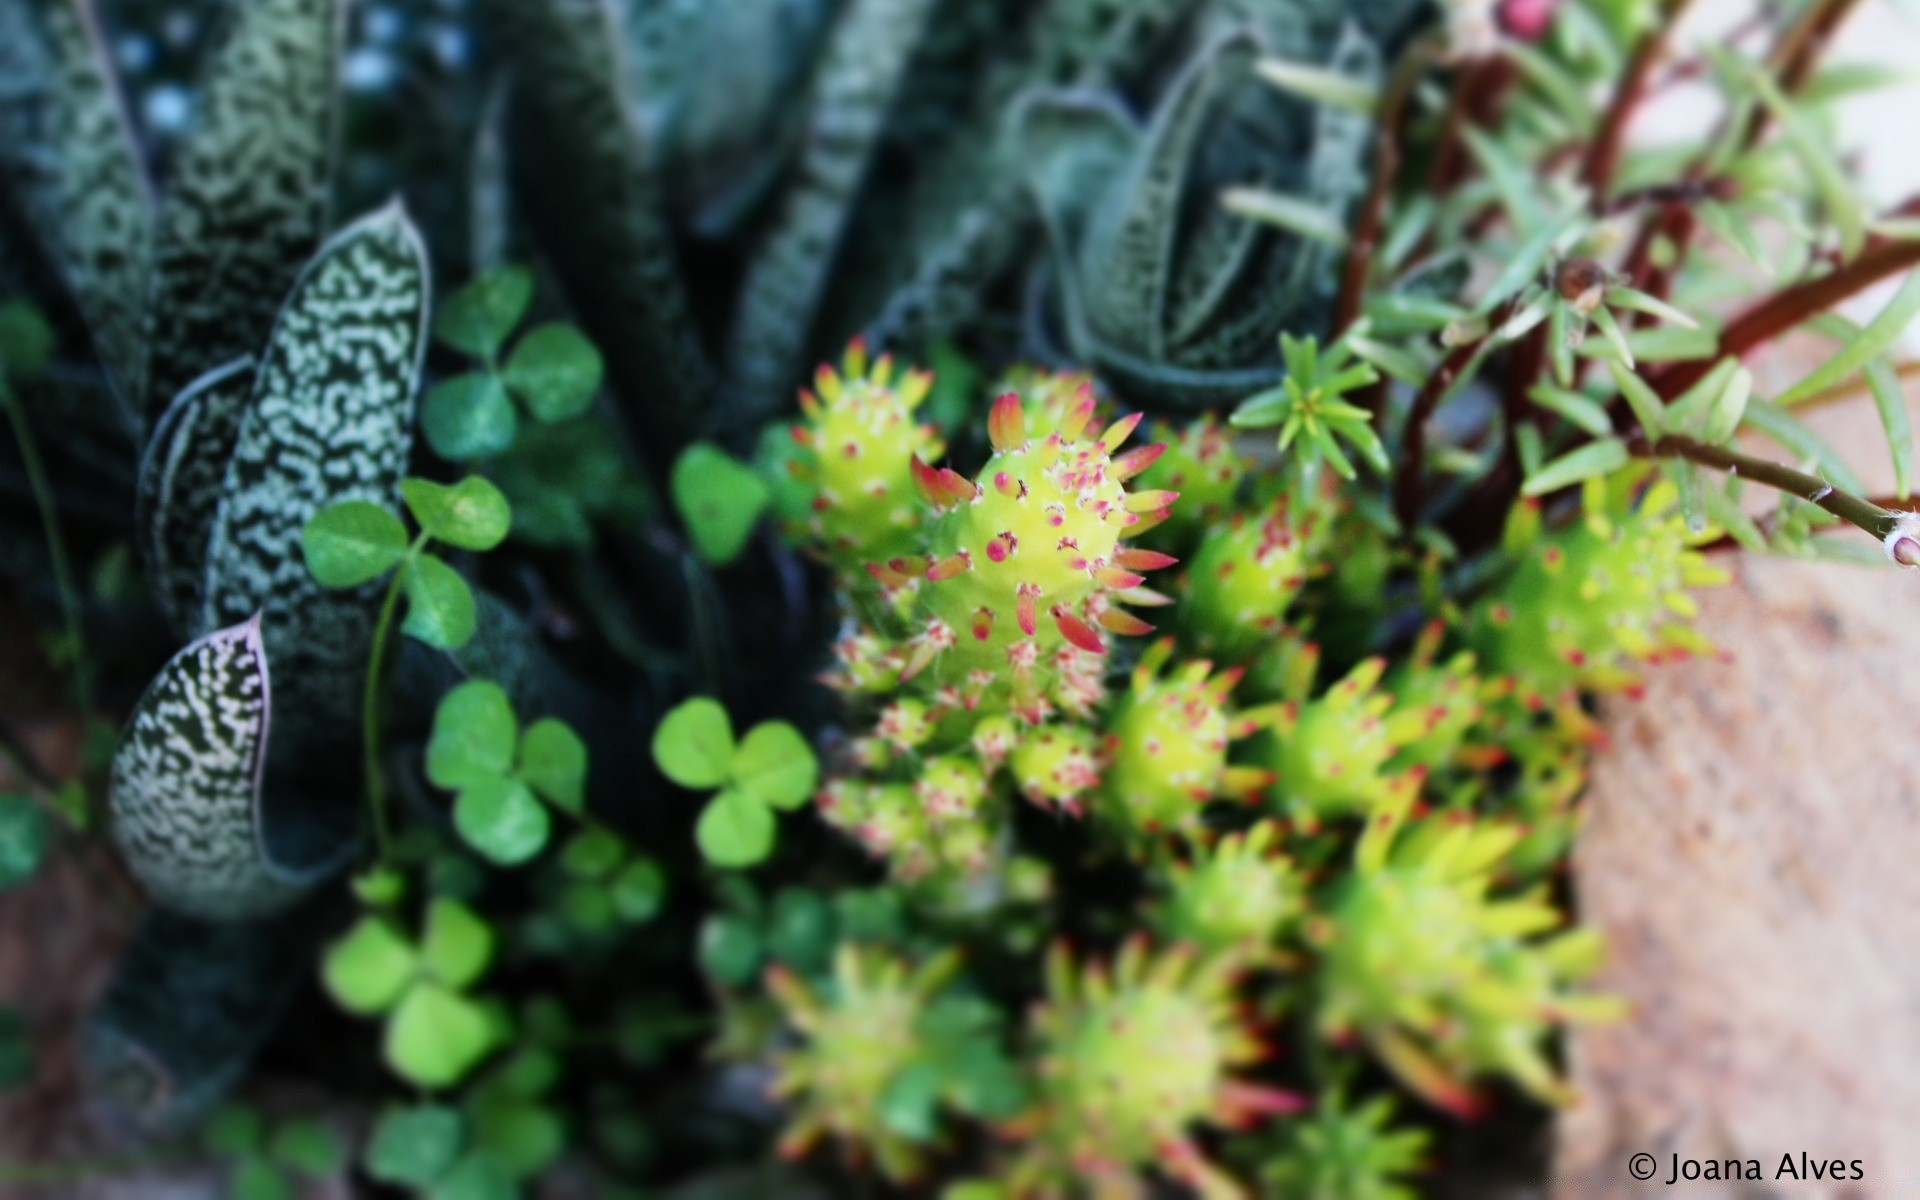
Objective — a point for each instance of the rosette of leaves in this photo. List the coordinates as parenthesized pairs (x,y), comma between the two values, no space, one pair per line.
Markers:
(1168,294)
(551,371)
(501,773)
(1347,1151)
(771,768)
(436,1032)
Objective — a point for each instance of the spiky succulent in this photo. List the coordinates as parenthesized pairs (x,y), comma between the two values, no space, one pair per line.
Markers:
(856,1041)
(1203,465)
(1133,1056)
(1245,574)
(857,446)
(1165,744)
(1344,1151)
(1333,755)
(1235,897)
(1585,604)
(1441,977)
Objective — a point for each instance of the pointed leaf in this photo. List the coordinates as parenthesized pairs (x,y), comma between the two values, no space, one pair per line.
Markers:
(1891,401)
(1589,461)
(67,157)
(331,419)
(181,473)
(247,189)
(1728,408)
(1879,335)
(1641,398)
(185,789)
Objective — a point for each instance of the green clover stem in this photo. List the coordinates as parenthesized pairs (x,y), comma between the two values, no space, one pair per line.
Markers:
(370,703)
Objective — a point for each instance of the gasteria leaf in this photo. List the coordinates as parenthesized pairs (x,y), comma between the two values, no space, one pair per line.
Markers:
(186,783)
(69,160)
(331,419)
(246,200)
(178,492)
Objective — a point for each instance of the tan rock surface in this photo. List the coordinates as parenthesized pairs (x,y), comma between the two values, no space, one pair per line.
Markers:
(1752,857)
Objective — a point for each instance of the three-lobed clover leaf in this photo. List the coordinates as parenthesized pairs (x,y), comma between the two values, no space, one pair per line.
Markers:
(553,369)
(414,1146)
(263,1158)
(472,514)
(353,542)
(500,775)
(435,1032)
(719,499)
(772,767)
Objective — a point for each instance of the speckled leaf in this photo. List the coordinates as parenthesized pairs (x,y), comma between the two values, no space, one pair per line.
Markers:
(331,419)
(860,75)
(181,473)
(246,197)
(187,781)
(570,118)
(67,157)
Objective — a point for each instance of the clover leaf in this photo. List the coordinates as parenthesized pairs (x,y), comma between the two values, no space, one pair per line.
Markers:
(440,607)
(469,416)
(480,317)
(471,514)
(414,1146)
(476,749)
(772,767)
(555,371)
(720,500)
(352,543)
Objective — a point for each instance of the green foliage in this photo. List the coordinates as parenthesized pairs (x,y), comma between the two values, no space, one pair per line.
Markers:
(552,369)
(414,1146)
(24,834)
(501,774)
(773,767)
(267,1158)
(719,498)
(1308,407)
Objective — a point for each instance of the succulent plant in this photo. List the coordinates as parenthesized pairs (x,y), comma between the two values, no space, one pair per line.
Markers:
(1236,896)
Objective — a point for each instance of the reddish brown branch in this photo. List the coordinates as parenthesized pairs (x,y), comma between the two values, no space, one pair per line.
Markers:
(1413,449)
(1386,168)
(1603,156)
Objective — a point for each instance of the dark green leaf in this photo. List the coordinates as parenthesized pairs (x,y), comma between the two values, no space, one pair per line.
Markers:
(414,1146)
(182,472)
(735,830)
(473,736)
(553,761)
(185,787)
(720,499)
(729,949)
(258,1179)
(247,189)
(471,514)
(639,890)
(309,1147)
(26,342)
(800,929)
(351,542)
(23,839)
(475,1177)
(555,371)
(523,1138)
(694,744)
(235,1130)
(592,854)
(469,416)
(480,317)
(440,606)
(503,820)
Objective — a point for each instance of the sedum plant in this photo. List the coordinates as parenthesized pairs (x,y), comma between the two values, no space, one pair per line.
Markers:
(994,599)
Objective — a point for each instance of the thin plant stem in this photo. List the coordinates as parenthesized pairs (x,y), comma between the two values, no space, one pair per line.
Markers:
(370,702)
(1603,155)
(1386,168)
(1848,507)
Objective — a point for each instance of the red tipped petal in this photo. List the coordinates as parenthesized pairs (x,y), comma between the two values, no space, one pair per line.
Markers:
(1077,417)
(885,575)
(1150,501)
(1007,423)
(1118,432)
(1024,610)
(1135,461)
(958,487)
(983,624)
(1135,559)
(948,567)
(1145,521)
(1142,597)
(1114,577)
(926,481)
(1077,631)
(1120,621)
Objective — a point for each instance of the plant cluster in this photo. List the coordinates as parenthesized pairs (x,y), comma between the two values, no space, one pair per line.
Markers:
(1163,629)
